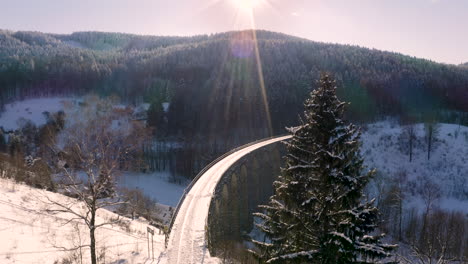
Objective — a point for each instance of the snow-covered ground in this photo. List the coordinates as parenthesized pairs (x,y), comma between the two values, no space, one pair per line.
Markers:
(31,109)
(155,185)
(384,149)
(29,234)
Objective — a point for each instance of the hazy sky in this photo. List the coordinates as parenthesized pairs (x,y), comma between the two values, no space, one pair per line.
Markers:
(433,29)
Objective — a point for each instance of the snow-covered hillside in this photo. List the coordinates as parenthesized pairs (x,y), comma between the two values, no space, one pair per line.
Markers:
(29,233)
(384,149)
(31,109)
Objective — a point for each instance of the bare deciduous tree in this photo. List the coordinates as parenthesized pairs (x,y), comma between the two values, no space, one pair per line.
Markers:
(399,197)
(100,142)
(138,204)
(441,241)
(430,193)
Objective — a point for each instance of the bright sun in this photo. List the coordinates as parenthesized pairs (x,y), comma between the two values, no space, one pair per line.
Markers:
(246,5)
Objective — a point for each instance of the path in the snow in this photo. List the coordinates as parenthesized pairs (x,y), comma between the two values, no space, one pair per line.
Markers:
(187,239)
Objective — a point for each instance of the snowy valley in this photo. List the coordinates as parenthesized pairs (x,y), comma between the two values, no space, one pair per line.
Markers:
(57,237)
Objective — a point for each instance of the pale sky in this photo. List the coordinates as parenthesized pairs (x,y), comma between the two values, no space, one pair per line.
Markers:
(432,29)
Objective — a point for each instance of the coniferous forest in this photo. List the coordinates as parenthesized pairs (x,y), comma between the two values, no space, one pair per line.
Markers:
(218,73)
(215,89)
(171,105)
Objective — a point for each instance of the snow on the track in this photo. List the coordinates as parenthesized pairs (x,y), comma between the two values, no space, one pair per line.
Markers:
(29,234)
(187,243)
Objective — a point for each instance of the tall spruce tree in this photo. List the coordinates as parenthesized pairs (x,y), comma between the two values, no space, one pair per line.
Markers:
(318,213)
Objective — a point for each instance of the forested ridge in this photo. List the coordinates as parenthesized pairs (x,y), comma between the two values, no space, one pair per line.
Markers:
(212,81)
(207,94)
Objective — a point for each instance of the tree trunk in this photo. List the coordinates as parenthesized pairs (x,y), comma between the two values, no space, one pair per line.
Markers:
(92,238)
(429,143)
(411,137)
(411,150)
(400,212)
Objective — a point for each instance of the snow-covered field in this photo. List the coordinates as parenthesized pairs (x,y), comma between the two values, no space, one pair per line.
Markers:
(30,234)
(31,109)
(155,185)
(384,150)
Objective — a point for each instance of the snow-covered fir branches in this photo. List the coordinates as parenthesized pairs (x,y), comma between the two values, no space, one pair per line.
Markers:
(318,213)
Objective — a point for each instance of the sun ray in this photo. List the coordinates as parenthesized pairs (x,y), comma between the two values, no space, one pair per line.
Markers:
(244,45)
(260,75)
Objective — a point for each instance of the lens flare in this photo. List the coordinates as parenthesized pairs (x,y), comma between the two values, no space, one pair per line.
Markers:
(241,46)
(242,59)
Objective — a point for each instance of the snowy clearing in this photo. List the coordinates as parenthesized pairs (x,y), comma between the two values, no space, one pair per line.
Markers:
(30,109)
(384,150)
(30,234)
(155,185)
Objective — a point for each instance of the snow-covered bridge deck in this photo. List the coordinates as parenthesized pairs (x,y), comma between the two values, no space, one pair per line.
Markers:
(187,238)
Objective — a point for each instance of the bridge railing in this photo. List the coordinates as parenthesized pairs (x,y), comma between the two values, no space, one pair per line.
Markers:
(206,168)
